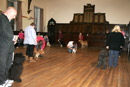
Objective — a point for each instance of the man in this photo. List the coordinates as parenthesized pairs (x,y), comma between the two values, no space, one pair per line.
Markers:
(7,41)
(72,47)
(30,40)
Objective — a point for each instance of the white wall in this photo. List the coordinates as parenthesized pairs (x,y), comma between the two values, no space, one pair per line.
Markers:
(117,11)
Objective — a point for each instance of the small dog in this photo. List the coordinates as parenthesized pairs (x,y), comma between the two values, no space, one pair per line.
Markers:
(74,50)
(39,53)
(83,43)
(48,44)
(17,67)
(102,58)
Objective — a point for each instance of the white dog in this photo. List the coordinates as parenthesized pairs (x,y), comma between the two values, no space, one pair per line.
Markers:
(74,50)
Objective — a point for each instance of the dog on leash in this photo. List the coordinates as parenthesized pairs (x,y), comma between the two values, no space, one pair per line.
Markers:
(48,44)
(39,53)
(102,58)
(83,43)
(17,67)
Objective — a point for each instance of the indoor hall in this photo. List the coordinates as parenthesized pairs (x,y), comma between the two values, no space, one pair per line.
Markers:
(95,19)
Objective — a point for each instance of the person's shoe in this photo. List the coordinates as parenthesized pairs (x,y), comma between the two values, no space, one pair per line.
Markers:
(1,85)
(32,60)
(9,83)
(27,58)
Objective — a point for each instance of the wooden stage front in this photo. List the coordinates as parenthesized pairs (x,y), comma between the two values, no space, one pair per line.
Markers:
(58,68)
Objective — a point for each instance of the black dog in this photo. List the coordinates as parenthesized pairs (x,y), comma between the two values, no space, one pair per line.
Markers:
(102,58)
(17,67)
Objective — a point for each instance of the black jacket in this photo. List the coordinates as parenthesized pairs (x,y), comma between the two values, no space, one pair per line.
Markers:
(6,35)
(115,40)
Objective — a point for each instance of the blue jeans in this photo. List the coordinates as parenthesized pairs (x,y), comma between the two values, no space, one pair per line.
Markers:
(38,47)
(70,50)
(113,58)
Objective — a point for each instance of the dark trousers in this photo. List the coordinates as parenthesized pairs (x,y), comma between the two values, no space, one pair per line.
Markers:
(61,42)
(29,50)
(20,42)
(5,64)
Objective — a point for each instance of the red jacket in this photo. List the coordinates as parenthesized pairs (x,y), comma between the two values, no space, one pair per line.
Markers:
(81,38)
(41,38)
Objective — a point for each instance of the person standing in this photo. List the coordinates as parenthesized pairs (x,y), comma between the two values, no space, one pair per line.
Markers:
(30,39)
(7,41)
(60,39)
(80,36)
(114,42)
(21,38)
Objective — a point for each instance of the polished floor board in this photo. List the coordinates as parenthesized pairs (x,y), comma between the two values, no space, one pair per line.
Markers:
(58,68)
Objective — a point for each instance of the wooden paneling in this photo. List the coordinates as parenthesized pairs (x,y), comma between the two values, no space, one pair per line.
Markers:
(96,40)
(81,18)
(96,19)
(71,31)
(76,18)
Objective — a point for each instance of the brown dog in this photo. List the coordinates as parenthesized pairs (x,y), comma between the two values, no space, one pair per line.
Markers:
(83,43)
(38,54)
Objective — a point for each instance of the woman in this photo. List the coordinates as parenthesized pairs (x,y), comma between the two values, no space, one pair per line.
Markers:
(21,38)
(30,40)
(80,36)
(114,42)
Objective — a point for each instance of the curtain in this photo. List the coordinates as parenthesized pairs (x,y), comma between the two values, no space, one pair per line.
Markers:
(19,16)
(41,20)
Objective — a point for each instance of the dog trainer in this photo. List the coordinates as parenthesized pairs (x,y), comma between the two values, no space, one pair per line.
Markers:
(72,47)
(30,40)
(6,43)
(114,42)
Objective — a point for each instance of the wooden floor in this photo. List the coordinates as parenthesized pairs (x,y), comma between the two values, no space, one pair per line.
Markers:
(58,68)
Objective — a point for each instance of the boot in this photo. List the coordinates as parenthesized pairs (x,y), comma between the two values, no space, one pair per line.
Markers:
(32,60)
(27,58)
